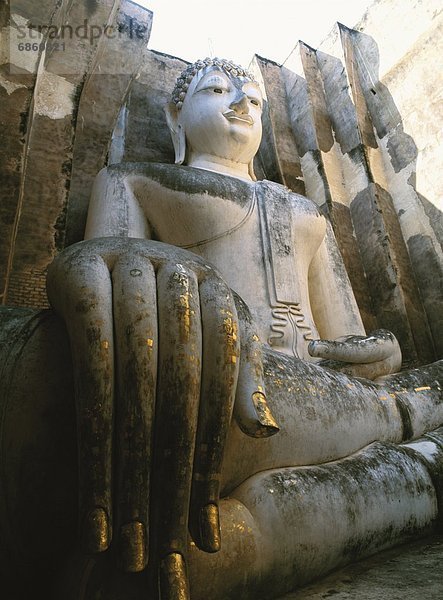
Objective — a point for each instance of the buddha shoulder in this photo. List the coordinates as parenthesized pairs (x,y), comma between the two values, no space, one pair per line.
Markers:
(283,204)
(306,211)
(154,179)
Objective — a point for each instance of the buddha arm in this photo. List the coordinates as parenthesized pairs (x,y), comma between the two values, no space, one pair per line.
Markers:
(113,209)
(333,304)
(344,344)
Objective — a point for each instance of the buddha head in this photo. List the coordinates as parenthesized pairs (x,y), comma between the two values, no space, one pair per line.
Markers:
(215,117)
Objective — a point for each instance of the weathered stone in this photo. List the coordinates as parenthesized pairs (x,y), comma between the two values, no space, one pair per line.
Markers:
(341,109)
(392,155)
(430,449)
(303,125)
(412,568)
(428,272)
(146,133)
(38,436)
(300,111)
(333,506)
(371,500)
(341,220)
(322,122)
(122,298)
(46,172)
(333,503)
(344,175)
(278,152)
(16,89)
(396,299)
(109,79)
(363,116)
(404,59)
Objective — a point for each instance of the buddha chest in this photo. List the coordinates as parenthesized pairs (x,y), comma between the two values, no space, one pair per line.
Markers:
(260,236)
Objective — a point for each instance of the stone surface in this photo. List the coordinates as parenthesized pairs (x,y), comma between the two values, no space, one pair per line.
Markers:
(343,166)
(42,182)
(147,137)
(38,435)
(46,170)
(331,179)
(273,248)
(346,102)
(198,213)
(109,79)
(277,155)
(157,327)
(407,56)
(382,468)
(16,91)
(391,150)
(396,299)
(412,570)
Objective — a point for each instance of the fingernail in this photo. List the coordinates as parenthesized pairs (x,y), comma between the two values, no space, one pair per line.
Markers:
(317,348)
(264,415)
(312,346)
(209,523)
(96,533)
(133,554)
(173,580)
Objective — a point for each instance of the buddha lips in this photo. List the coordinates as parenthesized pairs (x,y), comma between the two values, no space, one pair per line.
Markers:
(231,115)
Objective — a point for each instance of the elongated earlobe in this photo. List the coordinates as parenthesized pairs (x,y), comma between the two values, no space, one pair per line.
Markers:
(251,170)
(177,132)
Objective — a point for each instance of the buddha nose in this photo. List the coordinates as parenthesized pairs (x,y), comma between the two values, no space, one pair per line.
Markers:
(240,103)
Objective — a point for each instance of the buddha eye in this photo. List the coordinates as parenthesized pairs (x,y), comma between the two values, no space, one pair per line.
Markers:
(218,90)
(254,102)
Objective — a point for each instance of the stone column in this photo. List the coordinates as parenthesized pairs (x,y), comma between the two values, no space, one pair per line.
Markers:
(377,211)
(111,75)
(76,38)
(338,146)
(336,170)
(17,81)
(278,152)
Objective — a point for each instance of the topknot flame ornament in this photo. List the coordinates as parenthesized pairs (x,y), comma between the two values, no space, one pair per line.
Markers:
(186,76)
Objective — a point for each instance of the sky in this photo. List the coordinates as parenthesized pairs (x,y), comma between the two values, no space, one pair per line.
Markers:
(238,29)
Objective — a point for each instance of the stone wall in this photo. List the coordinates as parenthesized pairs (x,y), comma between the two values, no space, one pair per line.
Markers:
(60,98)
(363,108)
(354,125)
(401,81)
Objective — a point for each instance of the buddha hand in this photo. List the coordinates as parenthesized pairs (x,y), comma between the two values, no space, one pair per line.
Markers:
(157,360)
(372,356)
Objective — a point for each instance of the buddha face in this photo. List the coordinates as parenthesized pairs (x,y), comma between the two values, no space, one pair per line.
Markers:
(218,119)
(221,116)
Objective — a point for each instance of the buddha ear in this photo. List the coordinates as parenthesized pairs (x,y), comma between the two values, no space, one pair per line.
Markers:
(251,170)
(177,132)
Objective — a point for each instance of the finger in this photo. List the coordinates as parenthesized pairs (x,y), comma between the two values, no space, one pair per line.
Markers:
(373,370)
(81,292)
(220,352)
(136,343)
(173,578)
(365,370)
(177,410)
(379,345)
(251,410)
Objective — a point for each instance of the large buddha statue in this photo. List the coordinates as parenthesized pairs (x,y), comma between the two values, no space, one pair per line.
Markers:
(217,351)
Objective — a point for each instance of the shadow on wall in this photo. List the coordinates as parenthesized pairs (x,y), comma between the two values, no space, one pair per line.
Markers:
(392,161)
